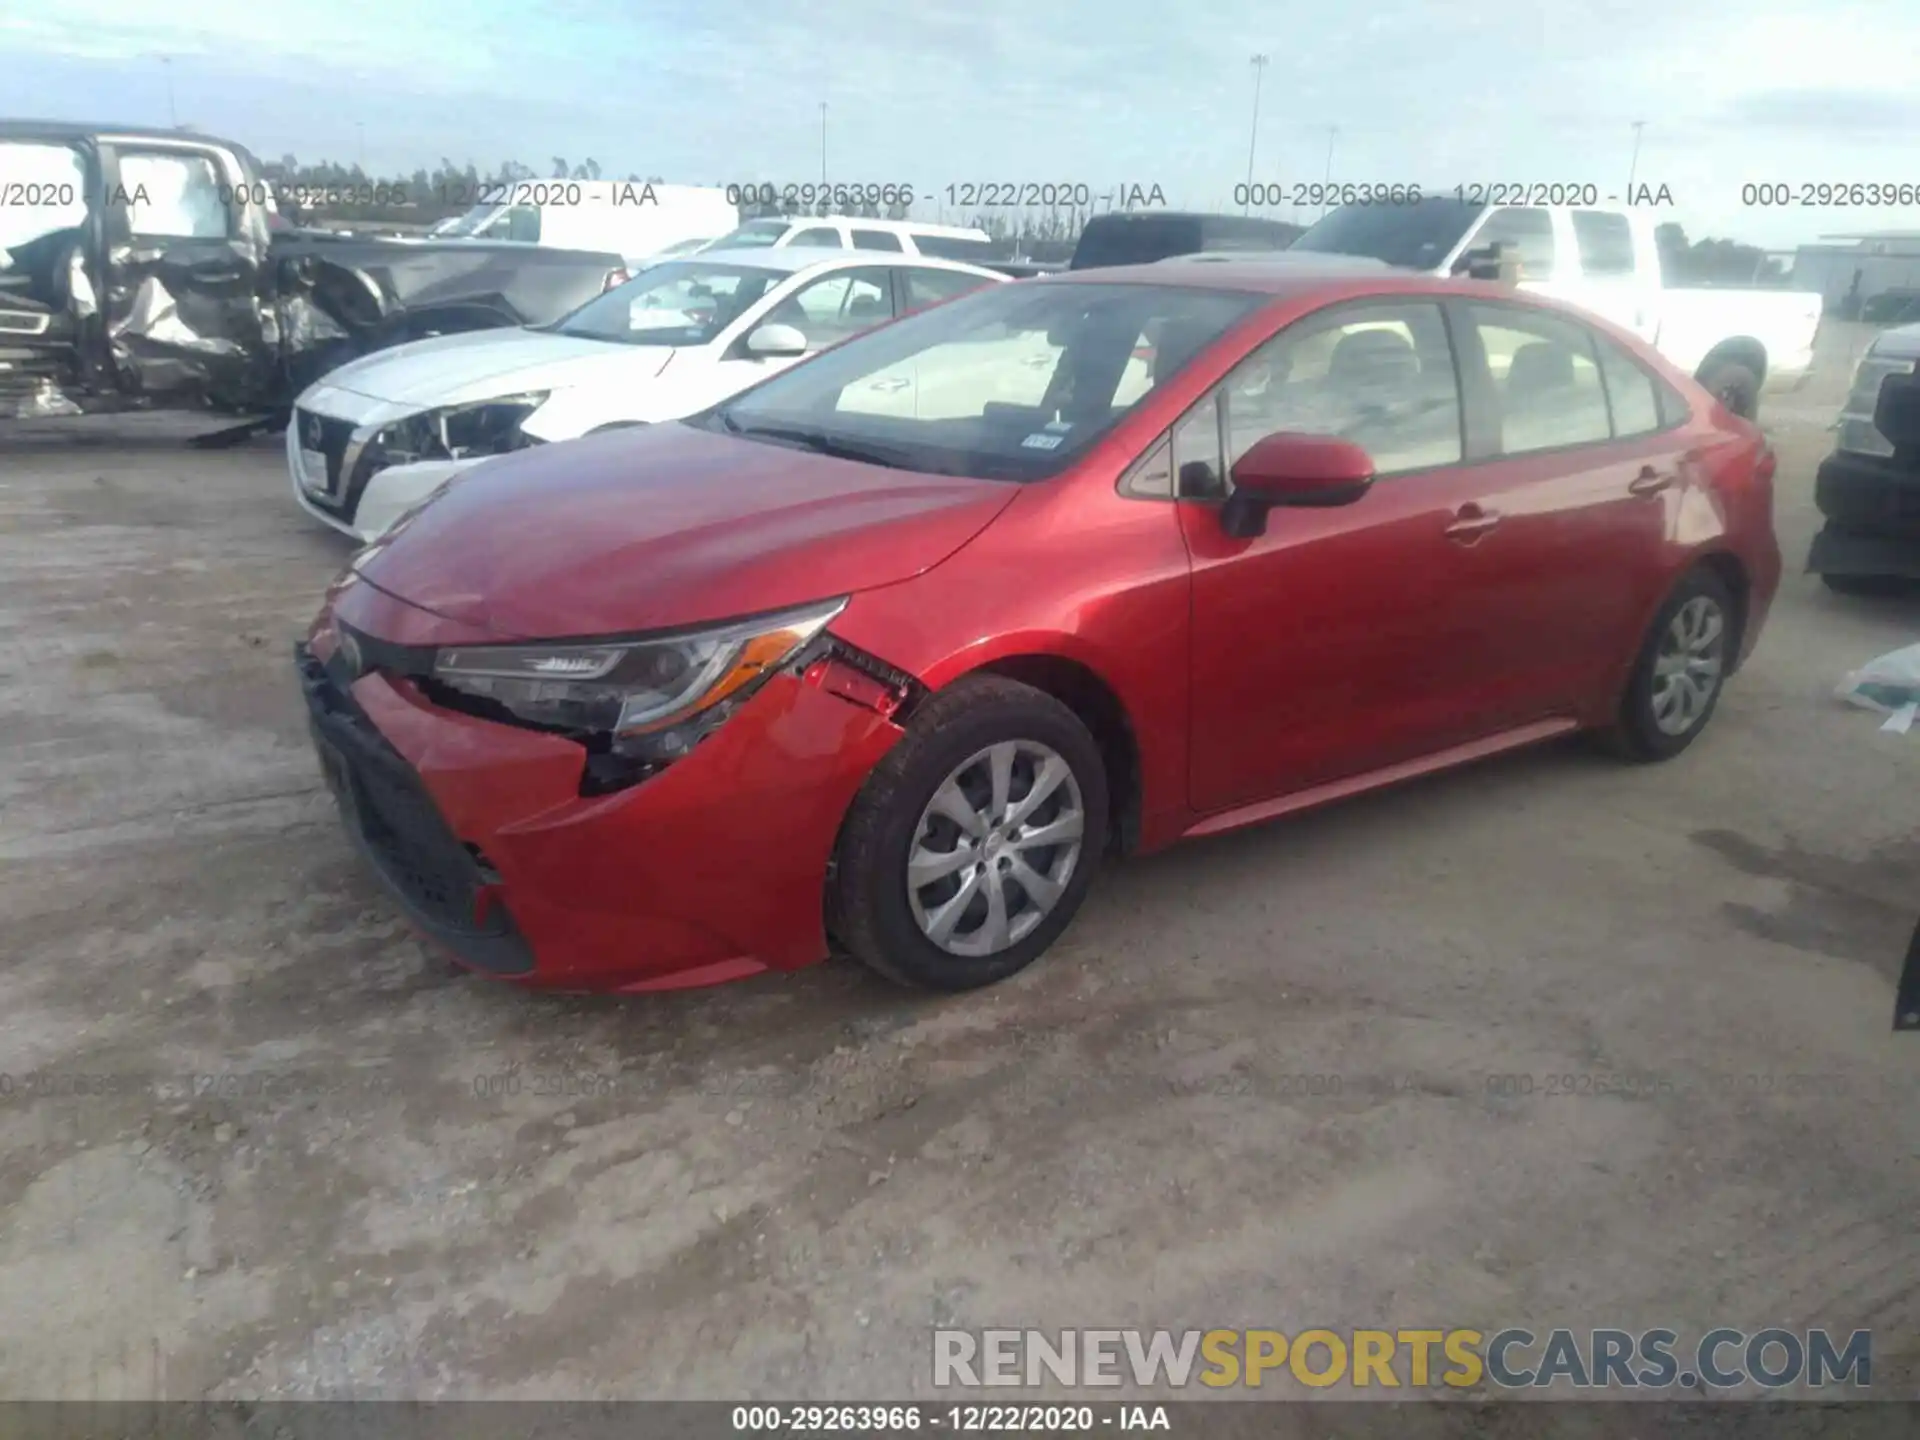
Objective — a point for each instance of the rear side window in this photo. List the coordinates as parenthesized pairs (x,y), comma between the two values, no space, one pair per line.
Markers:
(954,247)
(927,286)
(876,240)
(1545,379)
(1528,232)
(818,235)
(1606,242)
(1633,395)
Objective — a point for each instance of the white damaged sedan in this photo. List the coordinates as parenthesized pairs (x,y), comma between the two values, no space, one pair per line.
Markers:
(376,437)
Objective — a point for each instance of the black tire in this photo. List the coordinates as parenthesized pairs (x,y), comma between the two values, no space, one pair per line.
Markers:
(1870,587)
(869,910)
(1734,386)
(1636,733)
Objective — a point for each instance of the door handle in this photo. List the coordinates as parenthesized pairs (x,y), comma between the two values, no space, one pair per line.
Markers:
(890,385)
(1470,522)
(1649,482)
(216,275)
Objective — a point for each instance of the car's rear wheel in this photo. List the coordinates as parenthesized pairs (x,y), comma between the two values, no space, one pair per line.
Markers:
(1680,670)
(974,841)
(1734,386)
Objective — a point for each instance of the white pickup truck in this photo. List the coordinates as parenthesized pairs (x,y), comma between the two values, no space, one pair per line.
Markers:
(1735,342)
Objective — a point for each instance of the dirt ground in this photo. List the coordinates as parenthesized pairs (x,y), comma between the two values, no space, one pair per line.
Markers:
(255,1141)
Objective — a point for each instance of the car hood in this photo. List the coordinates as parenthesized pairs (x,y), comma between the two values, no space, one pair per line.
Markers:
(453,369)
(668,526)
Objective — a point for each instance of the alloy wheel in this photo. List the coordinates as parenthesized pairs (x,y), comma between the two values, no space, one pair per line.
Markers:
(995,848)
(1689,665)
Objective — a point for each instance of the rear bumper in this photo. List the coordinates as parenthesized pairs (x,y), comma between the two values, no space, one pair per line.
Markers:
(713,869)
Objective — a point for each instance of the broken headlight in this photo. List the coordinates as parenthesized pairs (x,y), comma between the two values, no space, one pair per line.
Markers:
(650,699)
(491,427)
(459,432)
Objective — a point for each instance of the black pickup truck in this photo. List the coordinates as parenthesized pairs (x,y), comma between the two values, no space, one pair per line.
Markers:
(152,269)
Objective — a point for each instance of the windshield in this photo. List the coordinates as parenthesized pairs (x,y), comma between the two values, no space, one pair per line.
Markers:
(753,235)
(1418,236)
(681,302)
(1008,383)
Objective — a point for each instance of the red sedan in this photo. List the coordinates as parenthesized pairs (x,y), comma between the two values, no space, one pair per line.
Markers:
(892,650)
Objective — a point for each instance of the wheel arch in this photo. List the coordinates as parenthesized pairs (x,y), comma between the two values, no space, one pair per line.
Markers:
(1739,350)
(1728,567)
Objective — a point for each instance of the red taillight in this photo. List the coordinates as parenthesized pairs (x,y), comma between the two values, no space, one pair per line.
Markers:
(615,277)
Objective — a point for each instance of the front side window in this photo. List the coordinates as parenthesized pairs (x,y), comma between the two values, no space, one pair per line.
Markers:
(1545,380)
(824,235)
(1526,231)
(51,183)
(1381,376)
(682,302)
(1010,382)
(876,240)
(172,196)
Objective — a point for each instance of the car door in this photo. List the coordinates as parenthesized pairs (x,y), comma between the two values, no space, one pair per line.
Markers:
(50,269)
(1341,640)
(186,275)
(1569,498)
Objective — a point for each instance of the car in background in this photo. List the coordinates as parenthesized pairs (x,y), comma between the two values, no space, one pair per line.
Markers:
(859,232)
(147,269)
(1868,489)
(1737,342)
(678,705)
(1140,237)
(640,221)
(378,436)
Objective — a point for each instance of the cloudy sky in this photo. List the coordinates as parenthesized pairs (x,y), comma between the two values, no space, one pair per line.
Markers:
(1109,92)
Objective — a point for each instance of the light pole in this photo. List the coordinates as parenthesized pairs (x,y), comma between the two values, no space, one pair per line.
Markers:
(166,68)
(1253,140)
(1633,167)
(1333,134)
(823,142)
(360,131)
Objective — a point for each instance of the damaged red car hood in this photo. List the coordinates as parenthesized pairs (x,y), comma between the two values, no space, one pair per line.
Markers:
(668,526)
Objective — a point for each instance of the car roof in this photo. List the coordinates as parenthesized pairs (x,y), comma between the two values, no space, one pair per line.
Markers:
(73,130)
(792,259)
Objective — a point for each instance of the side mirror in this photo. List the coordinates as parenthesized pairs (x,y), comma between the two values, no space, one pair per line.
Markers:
(1314,471)
(776,342)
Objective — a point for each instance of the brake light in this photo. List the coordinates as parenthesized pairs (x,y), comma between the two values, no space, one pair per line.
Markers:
(616,277)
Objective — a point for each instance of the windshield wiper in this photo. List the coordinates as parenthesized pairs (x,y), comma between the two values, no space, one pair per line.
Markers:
(821,443)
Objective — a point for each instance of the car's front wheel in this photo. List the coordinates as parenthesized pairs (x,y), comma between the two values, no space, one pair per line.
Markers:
(974,841)
(1680,670)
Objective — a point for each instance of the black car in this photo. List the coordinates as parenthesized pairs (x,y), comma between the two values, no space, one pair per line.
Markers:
(1141,237)
(146,269)
(1869,488)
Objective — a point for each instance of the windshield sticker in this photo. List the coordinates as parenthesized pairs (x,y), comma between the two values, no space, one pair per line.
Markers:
(1042,442)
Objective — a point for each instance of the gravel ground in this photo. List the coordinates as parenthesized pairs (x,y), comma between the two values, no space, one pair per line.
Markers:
(1249,1089)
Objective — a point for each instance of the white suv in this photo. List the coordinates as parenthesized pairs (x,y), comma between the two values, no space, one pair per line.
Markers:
(857,232)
